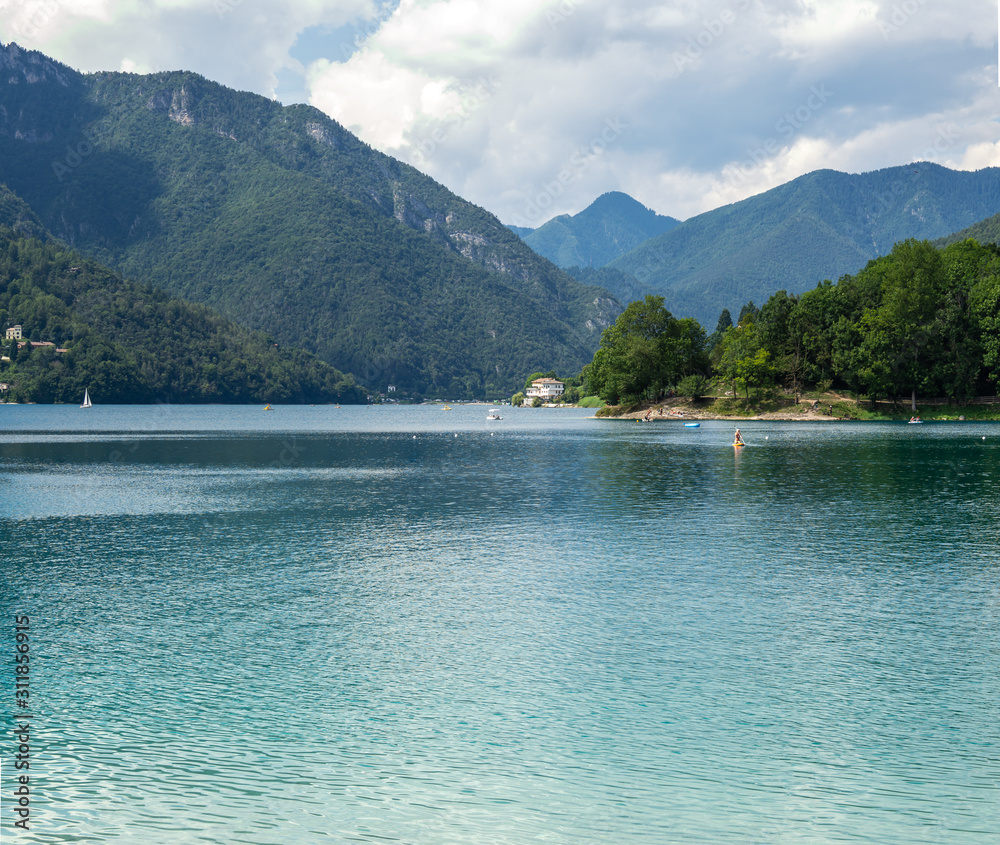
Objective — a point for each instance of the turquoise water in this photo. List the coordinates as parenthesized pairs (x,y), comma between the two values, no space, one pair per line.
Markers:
(406,625)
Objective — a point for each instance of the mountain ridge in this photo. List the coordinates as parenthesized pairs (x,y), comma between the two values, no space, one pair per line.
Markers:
(130,343)
(819,226)
(283,220)
(610,226)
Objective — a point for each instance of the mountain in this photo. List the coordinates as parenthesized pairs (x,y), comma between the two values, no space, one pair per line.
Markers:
(16,215)
(129,343)
(819,226)
(985,232)
(284,221)
(610,226)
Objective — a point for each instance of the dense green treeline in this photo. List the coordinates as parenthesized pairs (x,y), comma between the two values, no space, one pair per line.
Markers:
(918,322)
(130,343)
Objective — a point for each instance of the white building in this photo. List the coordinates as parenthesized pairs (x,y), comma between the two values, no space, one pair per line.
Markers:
(546,389)
(14,333)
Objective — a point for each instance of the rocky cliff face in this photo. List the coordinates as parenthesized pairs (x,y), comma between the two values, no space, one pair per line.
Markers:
(20,66)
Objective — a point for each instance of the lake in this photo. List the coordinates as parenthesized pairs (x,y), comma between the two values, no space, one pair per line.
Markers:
(409,625)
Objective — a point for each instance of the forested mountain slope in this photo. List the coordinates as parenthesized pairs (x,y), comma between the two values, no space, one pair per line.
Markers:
(819,226)
(610,226)
(984,232)
(284,221)
(129,343)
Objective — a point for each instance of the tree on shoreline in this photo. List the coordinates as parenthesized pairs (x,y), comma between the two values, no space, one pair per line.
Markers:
(646,351)
(918,321)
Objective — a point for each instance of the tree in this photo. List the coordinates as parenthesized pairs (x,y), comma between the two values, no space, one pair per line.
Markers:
(756,371)
(739,362)
(748,311)
(646,350)
(777,337)
(725,323)
(986,308)
(694,386)
(910,296)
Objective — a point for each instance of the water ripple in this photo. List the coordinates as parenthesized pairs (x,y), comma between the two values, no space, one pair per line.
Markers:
(591,634)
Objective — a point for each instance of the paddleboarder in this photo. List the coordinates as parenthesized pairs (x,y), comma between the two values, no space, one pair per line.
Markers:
(738,439)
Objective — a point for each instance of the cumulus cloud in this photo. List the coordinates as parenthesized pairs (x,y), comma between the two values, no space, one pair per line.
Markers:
(241,43)
(510,103)
(716,100)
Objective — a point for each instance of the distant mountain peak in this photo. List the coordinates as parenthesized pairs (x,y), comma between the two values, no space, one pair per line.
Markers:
(818,226)
(610,226)
(615,199)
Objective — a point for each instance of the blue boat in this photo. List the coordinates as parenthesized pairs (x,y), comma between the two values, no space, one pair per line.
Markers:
(692,425)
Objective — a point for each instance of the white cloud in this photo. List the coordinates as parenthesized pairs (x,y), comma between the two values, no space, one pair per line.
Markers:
(502,99)
(977,156)
(241,43)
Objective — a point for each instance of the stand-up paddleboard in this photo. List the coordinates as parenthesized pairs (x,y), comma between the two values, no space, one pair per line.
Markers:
(739,445)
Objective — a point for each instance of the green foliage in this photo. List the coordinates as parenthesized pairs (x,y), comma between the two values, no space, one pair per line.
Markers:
(725,322)
(918,321)
(281,220)
(695,386)
(129,343)
(517,400)
(744,361)
(644,352)
(820,226)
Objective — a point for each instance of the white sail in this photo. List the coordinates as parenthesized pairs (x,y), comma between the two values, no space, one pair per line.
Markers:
(86,399)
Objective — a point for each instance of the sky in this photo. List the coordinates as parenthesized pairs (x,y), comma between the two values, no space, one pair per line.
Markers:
(534,108)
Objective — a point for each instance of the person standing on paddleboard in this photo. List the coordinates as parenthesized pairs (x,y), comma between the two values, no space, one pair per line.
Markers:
(738,439)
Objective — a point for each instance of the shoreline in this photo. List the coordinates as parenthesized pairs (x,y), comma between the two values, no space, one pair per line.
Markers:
(830,407)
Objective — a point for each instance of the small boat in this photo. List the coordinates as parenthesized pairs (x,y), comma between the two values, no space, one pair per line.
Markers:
(86,399)
(494,414)
(915,421)
(446,408)
(268,408)
(692,425)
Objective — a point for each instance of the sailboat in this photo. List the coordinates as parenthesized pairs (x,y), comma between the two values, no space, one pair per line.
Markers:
(86,399)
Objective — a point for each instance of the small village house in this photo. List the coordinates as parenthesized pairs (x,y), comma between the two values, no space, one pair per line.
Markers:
(14,333)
